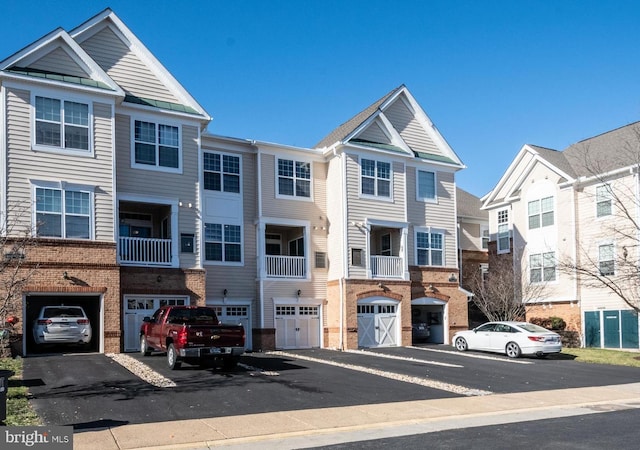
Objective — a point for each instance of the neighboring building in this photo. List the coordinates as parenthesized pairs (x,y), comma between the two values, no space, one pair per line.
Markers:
(551,207)
(473,248)
(136,205)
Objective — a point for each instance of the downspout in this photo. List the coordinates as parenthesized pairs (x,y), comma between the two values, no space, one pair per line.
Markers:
(260,250)
(345,249)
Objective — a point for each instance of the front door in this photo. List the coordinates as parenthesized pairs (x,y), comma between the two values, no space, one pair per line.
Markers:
(611,329)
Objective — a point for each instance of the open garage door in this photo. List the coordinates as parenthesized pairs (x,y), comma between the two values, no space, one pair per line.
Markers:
(429,312)
(92,305)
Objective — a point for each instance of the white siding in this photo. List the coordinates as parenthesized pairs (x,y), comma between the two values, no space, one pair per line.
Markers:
(125,67)
(335,219)
(374,133)
(410,129)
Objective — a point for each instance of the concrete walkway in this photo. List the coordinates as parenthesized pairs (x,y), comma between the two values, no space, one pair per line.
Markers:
(305,428)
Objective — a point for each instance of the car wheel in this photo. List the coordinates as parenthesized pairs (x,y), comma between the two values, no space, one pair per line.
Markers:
(172,358)
(144,347)
(513,350)
(461,344)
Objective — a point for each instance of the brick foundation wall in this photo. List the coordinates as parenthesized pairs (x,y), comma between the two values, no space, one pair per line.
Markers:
(264,339)
(569,312)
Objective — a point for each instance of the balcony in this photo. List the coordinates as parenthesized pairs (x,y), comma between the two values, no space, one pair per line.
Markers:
(387,266)
(277,266)
(144,251)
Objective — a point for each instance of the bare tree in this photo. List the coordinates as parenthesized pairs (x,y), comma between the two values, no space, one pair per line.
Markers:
(15,239)
(613,184)
(503,292)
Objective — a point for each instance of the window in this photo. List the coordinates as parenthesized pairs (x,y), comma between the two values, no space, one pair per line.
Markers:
(542,267)
(62,124)
(296,247)
(541,213)
(426,185)
(606,261)
(429,246)
(156,145)
(221,172)
(603,201)
(375,178)
(484,272)
(63,213)
(485,236)
(294,178)
(222,242)
(503,231)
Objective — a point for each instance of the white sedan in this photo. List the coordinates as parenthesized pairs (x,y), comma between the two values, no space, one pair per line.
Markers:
(511,338)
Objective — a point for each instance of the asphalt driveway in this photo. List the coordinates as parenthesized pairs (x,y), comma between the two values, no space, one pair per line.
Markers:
(91,391)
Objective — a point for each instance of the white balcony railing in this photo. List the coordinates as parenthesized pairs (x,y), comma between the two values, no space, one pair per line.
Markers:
(387,266)
(145,251)
(285,266)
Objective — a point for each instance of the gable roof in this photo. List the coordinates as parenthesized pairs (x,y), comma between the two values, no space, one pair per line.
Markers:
(78,69)
(394,123)
(613,150)
(468,206)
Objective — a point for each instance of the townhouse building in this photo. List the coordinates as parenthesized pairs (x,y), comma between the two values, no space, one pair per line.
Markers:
(568,219)
(136,205)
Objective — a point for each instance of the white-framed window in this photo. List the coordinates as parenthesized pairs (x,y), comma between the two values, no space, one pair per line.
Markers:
(385,244)
(606,259)
(542,267)
(63,213)
(603,201)
(294,178)
(504,244)
(485,236)
(221,172)
(541,213)
(484,272)
(426,186)
(222,243)
(156,145)
(61,124)
(375,178)
(430,248)
(296,247)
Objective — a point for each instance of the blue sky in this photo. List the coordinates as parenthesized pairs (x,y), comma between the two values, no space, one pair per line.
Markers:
(491,75)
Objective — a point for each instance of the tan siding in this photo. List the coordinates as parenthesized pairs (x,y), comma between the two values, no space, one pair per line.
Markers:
(132,74)
(335,219)
(374,133)
(93,171)
(470,236)
(59,61)
(438,215)
(410,129)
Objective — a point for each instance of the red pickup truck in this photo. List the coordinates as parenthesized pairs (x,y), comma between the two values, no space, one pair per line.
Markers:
(192,334)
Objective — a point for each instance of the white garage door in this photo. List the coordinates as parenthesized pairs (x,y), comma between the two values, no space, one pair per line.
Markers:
(236,314)
(297,326)
(377,325)
(135,309)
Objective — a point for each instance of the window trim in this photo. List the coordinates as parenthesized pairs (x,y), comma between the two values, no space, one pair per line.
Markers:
(607,187)
(613,257)
(63,187)
(222,173)
(222,262)
(540,214)
(62,97)
(501,234)
(429,231)
(156,167)
(294,196)
(483,229)
(543,267)
(435,187)
(375,196)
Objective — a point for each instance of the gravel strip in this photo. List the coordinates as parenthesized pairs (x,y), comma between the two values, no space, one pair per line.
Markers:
(141,370)
(434,384)
(404,358)
(472,355)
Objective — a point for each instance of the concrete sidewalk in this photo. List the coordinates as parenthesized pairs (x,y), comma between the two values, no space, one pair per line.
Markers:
(417,416)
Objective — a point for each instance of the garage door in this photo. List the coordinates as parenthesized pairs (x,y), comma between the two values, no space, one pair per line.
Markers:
(377,325)
(297,326)
(236,314)
(135,309)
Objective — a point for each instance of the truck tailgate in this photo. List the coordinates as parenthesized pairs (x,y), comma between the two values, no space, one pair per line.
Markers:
(215,336)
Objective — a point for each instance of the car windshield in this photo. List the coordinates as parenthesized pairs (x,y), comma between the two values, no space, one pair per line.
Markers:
(60,311)
(532,328)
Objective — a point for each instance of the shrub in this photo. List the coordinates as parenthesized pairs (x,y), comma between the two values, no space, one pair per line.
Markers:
(550,323)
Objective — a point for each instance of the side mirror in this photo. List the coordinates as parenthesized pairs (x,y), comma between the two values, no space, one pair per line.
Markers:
(146,319)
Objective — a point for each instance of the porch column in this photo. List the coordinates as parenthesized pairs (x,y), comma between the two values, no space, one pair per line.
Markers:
(403,253)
